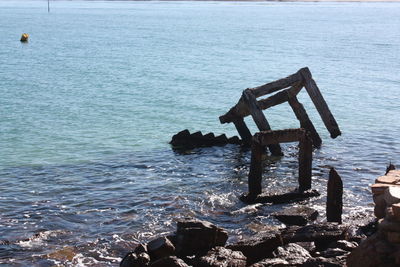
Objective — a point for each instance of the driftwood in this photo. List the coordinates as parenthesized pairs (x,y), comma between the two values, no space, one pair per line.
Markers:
(334,202)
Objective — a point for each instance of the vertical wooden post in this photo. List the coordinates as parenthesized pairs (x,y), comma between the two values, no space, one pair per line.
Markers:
(319,102)
(256,169)
(305,162)
(243,130)
(334,202)
(259,119)
(305,121)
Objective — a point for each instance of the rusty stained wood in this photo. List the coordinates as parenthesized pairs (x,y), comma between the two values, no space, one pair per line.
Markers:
(260,119)
(305,121)
(279,136)
(320,104)
(334,200)
(241,109)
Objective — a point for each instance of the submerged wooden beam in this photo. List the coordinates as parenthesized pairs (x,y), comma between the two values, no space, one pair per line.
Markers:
(277,85)
(305,121)
(260,119)
(320,103)
(334,201)
(279,136)
(305,162)
(243,130)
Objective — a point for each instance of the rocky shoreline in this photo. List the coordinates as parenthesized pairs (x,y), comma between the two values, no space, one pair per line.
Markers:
(301,243)
(202,244)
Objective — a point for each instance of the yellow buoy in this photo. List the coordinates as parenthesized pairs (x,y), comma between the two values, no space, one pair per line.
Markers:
(24,37)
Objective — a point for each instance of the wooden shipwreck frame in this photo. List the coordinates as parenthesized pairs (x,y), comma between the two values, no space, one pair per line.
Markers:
(289,87)
(307,136)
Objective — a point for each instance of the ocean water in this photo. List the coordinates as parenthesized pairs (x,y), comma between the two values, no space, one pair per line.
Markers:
(88,106)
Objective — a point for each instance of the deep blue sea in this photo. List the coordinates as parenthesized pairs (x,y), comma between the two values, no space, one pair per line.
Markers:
(88,106)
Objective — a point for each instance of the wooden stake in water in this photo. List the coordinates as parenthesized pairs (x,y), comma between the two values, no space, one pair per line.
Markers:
(48,6)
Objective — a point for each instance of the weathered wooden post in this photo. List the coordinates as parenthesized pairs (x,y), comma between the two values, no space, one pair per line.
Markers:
(243,130)
(319,102)
(260,119)
(256,169)
(305,162)
(334,202)
(305,121)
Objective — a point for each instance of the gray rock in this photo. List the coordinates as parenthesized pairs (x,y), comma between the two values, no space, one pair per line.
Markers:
(259,246)
(292,253)
(170,261)
(332,252)
(159,248)
(325,232)
(135,260)
(322,262)
(195,237)
(271,262)
(343,244)
(222,257)
(296,215)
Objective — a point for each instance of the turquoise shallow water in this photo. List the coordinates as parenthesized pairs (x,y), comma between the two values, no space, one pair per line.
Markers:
(88,106)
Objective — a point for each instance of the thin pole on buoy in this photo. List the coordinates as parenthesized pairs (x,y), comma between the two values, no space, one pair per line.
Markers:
(48,6)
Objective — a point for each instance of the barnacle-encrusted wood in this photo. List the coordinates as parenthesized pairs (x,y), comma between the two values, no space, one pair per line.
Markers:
(288,88)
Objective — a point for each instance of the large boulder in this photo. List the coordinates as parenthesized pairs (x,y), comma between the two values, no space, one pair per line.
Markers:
(259,246)
(195,237)
(170,261)
(222,257)
(159,248)
(135,260)
(296,215)
(292,253)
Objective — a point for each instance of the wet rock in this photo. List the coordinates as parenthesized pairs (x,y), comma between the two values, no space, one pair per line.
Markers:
(344,245)
(135,260)
(323,262)
(259,246)
(64,254)
(292,253)
(271,262)
(170,261)
(309,246)
(324,232)
(354,233)
(332,252)
(222,257)
(160,248)
(140,248)
(195,237)
(388,226)
(296,215)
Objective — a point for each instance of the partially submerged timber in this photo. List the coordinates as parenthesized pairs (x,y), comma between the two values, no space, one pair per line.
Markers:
(285,90)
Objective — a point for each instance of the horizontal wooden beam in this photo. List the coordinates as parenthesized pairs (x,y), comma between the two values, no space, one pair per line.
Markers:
(241,109)
(280,136)
(277,85)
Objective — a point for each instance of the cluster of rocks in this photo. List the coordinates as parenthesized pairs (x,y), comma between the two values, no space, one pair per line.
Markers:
(382,248)
(184,139)
(202,244)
